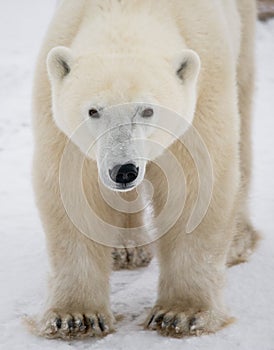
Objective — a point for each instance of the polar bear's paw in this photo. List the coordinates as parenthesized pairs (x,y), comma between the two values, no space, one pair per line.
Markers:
(243,245)
(59,324)
(182,323)
(131,258)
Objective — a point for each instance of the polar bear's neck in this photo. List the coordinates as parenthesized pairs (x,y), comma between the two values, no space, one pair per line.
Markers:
(125,28)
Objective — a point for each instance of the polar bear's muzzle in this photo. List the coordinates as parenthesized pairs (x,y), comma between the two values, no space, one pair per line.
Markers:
(121,176)
(120,158)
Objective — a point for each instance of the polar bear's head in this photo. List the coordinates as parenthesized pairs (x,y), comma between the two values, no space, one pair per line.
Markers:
(129,107)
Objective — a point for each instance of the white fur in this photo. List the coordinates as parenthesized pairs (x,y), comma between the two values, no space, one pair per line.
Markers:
(119,57)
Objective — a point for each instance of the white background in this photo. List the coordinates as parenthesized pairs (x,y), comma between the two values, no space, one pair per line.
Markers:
(23,263)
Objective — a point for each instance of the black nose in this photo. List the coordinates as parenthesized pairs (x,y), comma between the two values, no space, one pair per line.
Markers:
(124,174)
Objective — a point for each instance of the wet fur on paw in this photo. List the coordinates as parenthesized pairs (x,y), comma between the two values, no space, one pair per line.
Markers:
(131,258)
(72,325)
(178,323)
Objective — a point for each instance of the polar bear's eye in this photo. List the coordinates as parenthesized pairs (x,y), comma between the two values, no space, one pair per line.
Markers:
(147,113)
(93,113)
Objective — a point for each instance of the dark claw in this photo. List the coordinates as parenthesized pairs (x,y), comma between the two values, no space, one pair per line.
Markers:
(192,322)
(86,322)
(71,324)
(101,323)
(58,323)
(159,318)
(175,323)
(92,323)
(150,321)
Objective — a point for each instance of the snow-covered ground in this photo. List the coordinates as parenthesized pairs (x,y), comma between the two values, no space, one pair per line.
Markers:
(23,263)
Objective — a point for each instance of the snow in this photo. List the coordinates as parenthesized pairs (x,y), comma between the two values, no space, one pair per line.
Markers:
(23,263)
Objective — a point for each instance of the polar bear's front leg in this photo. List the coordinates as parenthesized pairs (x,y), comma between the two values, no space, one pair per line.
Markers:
(79,291)
(190,286)
(78,303)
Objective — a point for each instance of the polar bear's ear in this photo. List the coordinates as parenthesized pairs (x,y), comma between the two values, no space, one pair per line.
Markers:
(59,62)
(187,65)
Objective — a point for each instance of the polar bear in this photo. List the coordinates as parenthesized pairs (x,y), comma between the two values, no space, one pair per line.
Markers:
(118,74)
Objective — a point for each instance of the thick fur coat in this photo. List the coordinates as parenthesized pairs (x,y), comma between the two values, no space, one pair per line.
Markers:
(194,58)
